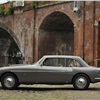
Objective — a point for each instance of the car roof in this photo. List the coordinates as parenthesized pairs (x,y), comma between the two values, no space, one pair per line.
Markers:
(61,56)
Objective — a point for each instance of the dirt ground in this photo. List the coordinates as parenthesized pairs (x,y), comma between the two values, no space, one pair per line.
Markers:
(51,92)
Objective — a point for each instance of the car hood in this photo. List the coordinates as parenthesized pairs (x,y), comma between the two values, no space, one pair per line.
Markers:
(18,66)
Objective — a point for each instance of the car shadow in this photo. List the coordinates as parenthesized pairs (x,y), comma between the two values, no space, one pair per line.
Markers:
(41,89)
(52,89)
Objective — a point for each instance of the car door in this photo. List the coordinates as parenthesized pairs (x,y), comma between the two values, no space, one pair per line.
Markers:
(27,74)
(53,70)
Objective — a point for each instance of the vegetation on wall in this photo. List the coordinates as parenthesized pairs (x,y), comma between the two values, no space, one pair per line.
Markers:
(35,4)
(7,11)
(1,10)
(4,11)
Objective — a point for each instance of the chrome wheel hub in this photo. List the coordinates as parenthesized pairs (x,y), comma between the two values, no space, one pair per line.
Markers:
(81,82)
(9,81)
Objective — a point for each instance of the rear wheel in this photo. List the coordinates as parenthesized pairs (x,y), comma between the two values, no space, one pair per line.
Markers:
(81,82)
(9,81)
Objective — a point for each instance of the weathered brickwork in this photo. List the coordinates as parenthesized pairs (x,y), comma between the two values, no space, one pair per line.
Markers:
(22,27)
(89,35)
(66,8)
(97,33)
(91,32)
(31,30)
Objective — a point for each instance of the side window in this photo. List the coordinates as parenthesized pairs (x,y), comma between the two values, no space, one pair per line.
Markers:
(72,63)
(57,62)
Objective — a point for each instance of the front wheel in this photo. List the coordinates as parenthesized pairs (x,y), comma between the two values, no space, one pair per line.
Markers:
(9,81)
(81,82)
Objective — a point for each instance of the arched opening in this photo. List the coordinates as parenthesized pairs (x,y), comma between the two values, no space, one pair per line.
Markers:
(9,50)
(98,61)
(56,35)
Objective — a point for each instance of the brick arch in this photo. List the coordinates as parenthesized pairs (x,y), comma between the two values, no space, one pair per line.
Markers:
(71,16)
(56,49)
(3,26)
(69,13)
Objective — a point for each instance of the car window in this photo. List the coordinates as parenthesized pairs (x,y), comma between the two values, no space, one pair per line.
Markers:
(72,63)
(58,62)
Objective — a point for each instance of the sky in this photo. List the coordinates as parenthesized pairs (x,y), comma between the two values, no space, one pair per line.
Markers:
(3,1)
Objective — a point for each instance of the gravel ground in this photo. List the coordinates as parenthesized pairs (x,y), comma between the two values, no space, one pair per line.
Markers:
(51,92)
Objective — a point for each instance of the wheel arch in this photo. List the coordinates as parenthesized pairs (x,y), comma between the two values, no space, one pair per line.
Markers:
(9,73)
(80,74)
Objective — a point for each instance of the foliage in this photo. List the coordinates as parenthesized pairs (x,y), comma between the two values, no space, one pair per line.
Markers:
(2,8)
(34,4)
(11,4)
(7,11)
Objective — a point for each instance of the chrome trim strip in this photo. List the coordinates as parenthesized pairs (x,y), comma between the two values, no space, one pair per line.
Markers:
(97,78)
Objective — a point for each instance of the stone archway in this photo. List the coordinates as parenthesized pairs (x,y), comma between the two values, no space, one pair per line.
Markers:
(56,35)
(9,46)
(10,32)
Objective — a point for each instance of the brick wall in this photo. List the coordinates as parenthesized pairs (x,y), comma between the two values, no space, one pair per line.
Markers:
(22,26)
(27,24)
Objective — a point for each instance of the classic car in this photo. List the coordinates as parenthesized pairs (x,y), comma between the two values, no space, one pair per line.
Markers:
(51,69)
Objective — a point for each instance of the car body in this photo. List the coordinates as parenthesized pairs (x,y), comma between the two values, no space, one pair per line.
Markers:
(51,69)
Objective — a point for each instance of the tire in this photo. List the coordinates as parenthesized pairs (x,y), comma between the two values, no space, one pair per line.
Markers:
(9,81)
(81,82)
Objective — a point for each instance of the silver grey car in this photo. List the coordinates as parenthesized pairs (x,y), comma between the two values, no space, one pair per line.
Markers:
(52,69)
